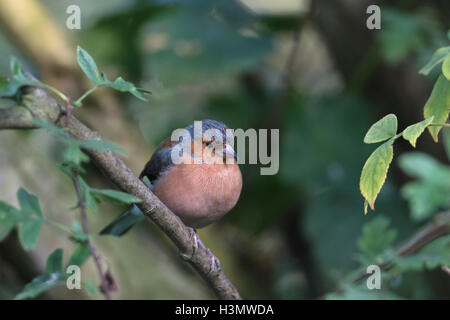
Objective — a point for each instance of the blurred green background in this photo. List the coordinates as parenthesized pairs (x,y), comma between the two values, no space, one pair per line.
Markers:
(310,68)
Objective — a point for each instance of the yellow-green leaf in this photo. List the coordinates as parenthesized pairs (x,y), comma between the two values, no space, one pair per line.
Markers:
(381,130)
(446,67)
(438,105)
(437,58)
(374,172)
(413,132)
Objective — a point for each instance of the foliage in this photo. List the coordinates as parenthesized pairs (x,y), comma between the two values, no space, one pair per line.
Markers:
(29,217)
(436,113)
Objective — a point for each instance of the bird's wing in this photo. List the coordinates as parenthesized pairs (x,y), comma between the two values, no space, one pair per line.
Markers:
(159,163)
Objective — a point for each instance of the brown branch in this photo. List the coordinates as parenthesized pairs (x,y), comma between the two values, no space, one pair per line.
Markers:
(104,286)
(39,104)
(440,227)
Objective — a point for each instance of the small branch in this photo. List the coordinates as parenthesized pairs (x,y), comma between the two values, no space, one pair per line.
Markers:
(104,284)
(39,104)
(440,227)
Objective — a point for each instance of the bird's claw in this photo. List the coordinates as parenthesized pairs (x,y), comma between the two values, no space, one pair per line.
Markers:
(215,263)
(197,243)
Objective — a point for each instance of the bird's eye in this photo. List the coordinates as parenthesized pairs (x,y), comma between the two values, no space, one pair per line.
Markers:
(208,143)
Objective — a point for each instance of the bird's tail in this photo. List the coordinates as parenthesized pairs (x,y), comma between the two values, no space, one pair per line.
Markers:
(124,222)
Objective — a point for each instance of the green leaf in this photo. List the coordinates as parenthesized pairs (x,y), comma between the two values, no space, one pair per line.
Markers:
(88,65)
(446,66)
(412,132)
(54,262)
(438,105)
(15,67)
(381,130)
(437,58)
(88,198)
(9,216)
(39,285)
(73,154)
(79,235)
(374,172)
(10,88)
(125,86)
(91,289)
(420,165)
(29,233)
(376,237)
(124,222)
(51,128)
(115,196)
(361,292)
(425,198)
(101,145)
(432,256)
(29,203)
(432,191)
(52,277)
(447,142)
(80,255)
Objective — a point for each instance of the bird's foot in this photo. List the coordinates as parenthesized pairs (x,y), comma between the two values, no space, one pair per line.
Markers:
(197,243)
(215,263)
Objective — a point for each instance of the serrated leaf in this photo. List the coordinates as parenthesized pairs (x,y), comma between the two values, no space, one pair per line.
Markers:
(54,262)
(88,65)
(376,236)
(80,255)
(29,233)
(437,58)
(446,67)
(29,203)
(425,198)
(430,257)
(101,145)
(412,132)
(114,195)
(382,130)
(432,192)
(374,172)
(438,105)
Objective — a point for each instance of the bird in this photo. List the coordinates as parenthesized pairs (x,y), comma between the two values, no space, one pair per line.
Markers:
(198,190)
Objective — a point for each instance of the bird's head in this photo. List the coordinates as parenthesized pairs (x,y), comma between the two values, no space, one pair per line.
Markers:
(215,142)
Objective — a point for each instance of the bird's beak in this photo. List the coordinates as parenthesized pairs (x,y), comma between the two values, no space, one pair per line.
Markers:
(229,151)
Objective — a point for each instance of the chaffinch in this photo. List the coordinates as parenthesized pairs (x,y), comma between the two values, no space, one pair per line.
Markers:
(198,190)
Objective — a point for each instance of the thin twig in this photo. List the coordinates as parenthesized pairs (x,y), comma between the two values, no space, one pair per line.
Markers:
(440,227)
(104,284)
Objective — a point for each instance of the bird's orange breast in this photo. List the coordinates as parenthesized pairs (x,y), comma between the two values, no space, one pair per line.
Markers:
(200,194)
